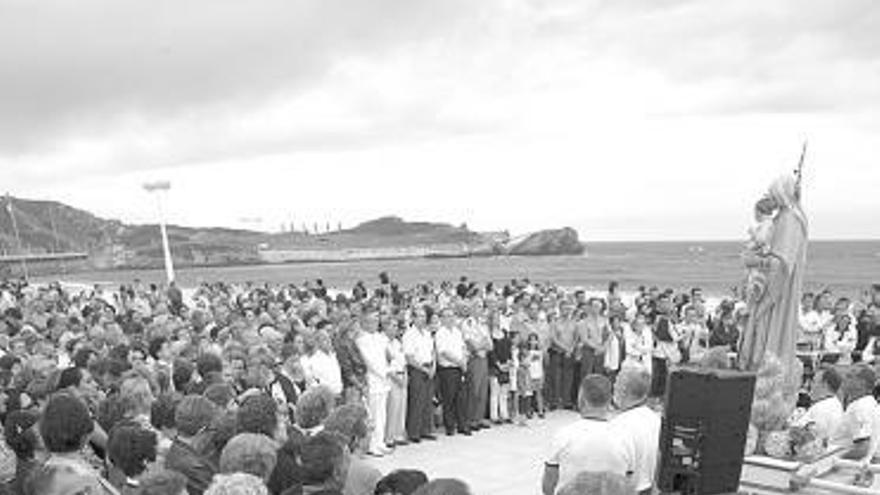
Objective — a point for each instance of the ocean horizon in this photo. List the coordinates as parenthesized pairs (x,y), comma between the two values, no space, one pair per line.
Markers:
(845,267)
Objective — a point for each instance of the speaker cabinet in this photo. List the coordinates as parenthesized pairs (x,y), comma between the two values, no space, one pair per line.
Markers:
(705,424)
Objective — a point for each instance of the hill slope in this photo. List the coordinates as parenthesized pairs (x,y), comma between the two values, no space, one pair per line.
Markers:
(50,226)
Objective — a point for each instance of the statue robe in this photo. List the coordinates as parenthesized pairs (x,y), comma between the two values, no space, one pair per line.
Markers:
(773,316)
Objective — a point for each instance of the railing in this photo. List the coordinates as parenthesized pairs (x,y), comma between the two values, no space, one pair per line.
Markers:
(18,258)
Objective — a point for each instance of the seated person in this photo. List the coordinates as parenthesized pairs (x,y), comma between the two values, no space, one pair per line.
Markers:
(826,411)
(859,429)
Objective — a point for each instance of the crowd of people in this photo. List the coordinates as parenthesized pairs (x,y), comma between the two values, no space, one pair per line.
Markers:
(288,389)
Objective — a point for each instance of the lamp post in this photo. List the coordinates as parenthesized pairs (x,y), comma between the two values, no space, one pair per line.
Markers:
(159,187)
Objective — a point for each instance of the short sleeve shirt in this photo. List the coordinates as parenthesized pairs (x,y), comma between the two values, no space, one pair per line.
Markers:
(860,421)
(825,415)
(587,445)
(640,430)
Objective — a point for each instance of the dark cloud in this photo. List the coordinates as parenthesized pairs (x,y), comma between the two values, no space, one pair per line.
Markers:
(73,67)
(84,69)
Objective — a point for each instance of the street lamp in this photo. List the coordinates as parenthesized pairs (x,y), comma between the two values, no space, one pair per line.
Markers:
(159,187)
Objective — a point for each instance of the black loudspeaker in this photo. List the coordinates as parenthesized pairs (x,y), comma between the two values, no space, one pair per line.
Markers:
(705,424)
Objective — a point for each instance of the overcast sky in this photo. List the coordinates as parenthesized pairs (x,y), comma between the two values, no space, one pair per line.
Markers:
(640,119)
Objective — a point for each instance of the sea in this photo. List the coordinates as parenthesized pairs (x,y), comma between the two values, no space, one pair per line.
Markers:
(846,267)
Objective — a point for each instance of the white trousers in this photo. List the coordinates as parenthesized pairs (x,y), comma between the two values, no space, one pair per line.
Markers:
(378,406)
(498,399)
(396,427)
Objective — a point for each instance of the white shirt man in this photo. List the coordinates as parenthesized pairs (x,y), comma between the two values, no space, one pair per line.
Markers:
(374,347)
(640,429)
(637,426)
(476,336)
(826,413)
(590,444)
(451,349)
(418,347)
(860,425)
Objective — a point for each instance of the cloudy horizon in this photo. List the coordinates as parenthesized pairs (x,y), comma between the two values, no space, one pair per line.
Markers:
(643,120)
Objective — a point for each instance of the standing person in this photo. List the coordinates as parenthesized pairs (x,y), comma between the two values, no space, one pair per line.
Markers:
(639,341)
(613,299)
(175,298)
(479,344)
(725,331)
(840,339)
(562,345)
(65,427)
(535,362)
(592,333)
(524,392)
(22,436)
(867,332)
(193,415)
(694,336)
(614,346)
(395,432)
(451,365)
(500,363)
(325,465)
(350,425)
(351,363)
(666,351)
(421,365)
(809,323)
(638,425)
(373,346)
(590,444)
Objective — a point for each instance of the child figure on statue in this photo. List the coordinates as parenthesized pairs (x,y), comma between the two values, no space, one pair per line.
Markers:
(758,248)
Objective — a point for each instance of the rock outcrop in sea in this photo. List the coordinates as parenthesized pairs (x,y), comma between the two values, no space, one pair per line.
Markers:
(548,242)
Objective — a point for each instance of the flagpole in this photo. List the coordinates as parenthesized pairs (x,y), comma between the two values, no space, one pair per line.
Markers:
(17,235)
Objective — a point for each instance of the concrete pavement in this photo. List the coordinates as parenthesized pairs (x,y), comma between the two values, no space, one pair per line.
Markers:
(503,460)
